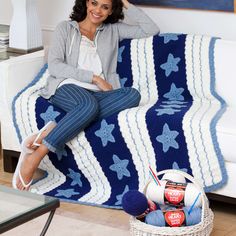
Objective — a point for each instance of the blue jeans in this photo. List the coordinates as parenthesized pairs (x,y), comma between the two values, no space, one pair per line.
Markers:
(82,107)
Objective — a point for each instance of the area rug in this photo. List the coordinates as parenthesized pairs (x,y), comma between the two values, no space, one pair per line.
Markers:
(174,127)
(62,226)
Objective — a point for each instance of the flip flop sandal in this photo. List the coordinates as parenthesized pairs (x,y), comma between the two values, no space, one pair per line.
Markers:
(26,151)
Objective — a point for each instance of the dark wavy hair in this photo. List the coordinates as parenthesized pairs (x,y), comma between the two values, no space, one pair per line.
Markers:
(80,11)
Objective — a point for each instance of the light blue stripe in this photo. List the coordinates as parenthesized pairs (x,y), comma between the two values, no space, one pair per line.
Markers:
(216,119)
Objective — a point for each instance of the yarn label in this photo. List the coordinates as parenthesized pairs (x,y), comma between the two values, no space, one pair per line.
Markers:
(174,193)
(174,218)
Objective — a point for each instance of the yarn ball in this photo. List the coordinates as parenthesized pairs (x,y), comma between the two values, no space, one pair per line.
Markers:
(134,202)
(175,177)
(194,217)
(156,218)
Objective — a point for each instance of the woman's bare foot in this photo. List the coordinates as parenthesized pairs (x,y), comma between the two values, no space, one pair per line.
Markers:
(26,171)
(33,151)
(29,166)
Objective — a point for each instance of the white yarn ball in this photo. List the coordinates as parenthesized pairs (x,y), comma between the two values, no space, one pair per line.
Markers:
(175,177)
(156,193)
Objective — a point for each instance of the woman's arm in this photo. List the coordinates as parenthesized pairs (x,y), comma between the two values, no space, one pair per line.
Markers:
(56,59)
(143,27)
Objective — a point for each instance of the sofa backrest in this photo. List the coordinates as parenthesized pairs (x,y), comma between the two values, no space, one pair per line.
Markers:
(225,68)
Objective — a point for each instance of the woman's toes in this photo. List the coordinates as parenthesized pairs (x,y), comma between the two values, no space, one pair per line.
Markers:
(19,185)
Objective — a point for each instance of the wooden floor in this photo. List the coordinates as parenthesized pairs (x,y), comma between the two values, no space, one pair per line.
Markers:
(224,222)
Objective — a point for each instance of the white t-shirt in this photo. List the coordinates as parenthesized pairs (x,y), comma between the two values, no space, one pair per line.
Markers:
(88,60)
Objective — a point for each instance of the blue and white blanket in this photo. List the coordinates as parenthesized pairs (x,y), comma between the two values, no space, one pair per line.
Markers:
(173,127)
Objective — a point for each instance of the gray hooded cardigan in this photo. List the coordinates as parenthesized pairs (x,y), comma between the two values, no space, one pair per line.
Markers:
(64,50)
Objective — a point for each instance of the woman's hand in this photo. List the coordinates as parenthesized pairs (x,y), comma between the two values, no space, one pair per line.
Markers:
(125,3)
(101,83)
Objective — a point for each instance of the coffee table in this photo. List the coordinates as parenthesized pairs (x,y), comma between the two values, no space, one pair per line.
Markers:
(18,207)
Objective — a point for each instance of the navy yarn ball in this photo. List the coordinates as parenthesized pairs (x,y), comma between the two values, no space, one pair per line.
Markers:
(134,202)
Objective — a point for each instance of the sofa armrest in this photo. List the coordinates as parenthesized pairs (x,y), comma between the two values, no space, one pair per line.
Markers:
(18,72)
(15,74)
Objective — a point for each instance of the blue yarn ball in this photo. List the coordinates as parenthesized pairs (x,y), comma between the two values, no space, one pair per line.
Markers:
(194,217)
(156,218)
(134,202)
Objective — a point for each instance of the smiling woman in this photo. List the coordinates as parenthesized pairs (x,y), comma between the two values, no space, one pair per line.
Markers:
(217,5)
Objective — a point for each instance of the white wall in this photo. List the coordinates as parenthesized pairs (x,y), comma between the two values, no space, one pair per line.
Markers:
(5,11)
(220,24)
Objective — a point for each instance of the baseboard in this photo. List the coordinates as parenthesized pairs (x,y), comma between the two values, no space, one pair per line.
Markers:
(221,198)
(24,51)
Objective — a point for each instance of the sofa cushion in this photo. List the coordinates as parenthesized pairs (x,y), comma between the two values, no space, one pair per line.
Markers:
(226,134)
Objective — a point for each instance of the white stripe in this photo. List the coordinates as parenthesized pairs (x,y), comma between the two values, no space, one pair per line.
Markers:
(132,122)
(86,161)
(25,108)
(196,122)
(54,179)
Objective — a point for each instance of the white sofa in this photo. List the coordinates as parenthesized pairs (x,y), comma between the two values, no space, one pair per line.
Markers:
(17,72)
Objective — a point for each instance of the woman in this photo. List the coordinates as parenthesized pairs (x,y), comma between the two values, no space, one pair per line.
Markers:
(83,81)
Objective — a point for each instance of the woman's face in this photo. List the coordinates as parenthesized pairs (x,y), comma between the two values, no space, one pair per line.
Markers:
(98,10)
